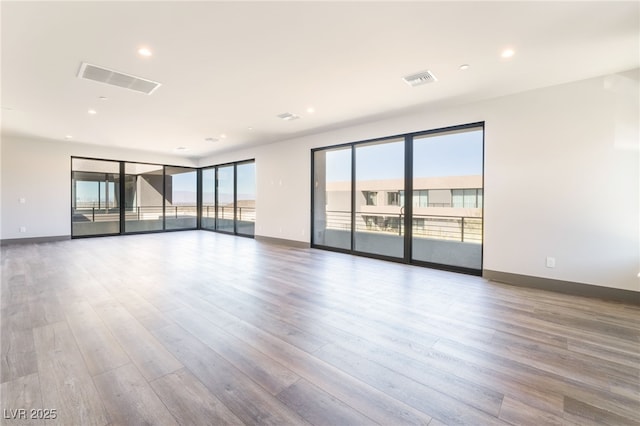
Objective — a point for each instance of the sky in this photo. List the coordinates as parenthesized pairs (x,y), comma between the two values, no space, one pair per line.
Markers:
(457,154)
(184,186)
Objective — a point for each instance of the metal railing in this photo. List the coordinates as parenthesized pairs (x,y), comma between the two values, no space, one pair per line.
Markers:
(94,214)
(452,228)
(146,212)
(247,214)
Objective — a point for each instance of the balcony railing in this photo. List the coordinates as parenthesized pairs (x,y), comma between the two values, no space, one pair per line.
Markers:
(453,228)
(247,214)
(95,214)
(101,214)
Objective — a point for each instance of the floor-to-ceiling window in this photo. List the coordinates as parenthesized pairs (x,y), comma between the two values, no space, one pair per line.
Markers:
(161,198)
(143,197)
(379,180)
(416,198)
(447,220)
(229,198)
(246,198)
(209,198)
(332,198)
(95,189)
(181,197)
(225,204)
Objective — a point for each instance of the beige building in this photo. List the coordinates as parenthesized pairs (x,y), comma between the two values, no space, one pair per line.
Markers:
(442,206)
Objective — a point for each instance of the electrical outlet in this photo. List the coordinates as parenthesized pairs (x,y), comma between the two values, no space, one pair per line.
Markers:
(551,262)
(23,229)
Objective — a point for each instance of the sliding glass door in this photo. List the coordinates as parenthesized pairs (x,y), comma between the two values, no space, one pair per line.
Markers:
(181,198)
(246,198)
(226,204)
(161,198)
(143,197)
(332,198)
(209,198)
(379,198)
(95,189)
(415,198)
(229,198)
(447,198)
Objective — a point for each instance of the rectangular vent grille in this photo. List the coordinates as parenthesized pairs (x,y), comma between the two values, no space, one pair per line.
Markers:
(287,116)
(420,78)
(115,78)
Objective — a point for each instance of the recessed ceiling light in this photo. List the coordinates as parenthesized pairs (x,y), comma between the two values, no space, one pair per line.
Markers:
(92,111)
(182,148)
(144,51)
(211,139)
(223,136)
(250,128)
(465,67)
(507,53)
(68,137)
(102,98)
(311,110)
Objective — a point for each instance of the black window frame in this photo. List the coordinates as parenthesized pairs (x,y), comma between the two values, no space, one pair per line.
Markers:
(408,206)
(121,174)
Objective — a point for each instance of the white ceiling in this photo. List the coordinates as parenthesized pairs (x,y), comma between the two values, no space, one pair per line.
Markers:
(229,66)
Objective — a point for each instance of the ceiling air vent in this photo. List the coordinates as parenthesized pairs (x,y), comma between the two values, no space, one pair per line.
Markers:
(116,78)
(287,116)
(417,79)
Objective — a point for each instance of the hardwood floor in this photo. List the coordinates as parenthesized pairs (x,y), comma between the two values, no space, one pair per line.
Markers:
(197,328)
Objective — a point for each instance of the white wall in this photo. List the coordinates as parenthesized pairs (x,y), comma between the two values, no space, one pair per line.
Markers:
(40,172)
(561,178)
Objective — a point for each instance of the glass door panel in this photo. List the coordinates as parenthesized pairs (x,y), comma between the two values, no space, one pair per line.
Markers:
(95,187)
(209,198)
(379,198)
(143,197)
(447,198)
(180,200)
(246,198)
(332,198)
(225,204)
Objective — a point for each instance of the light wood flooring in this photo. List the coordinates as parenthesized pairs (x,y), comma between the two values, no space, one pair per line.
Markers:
(198,328)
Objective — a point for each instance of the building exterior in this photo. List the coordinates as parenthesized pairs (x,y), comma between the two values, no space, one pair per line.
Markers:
(442,206)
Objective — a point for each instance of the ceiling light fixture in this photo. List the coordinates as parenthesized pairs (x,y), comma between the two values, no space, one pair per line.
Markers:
(182,148)
(250,128)
(223,136)
(102,98)
(144,51)
(92,111)
(211,139)
(465,67)
(68,137)
(507,53)
(311,110)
